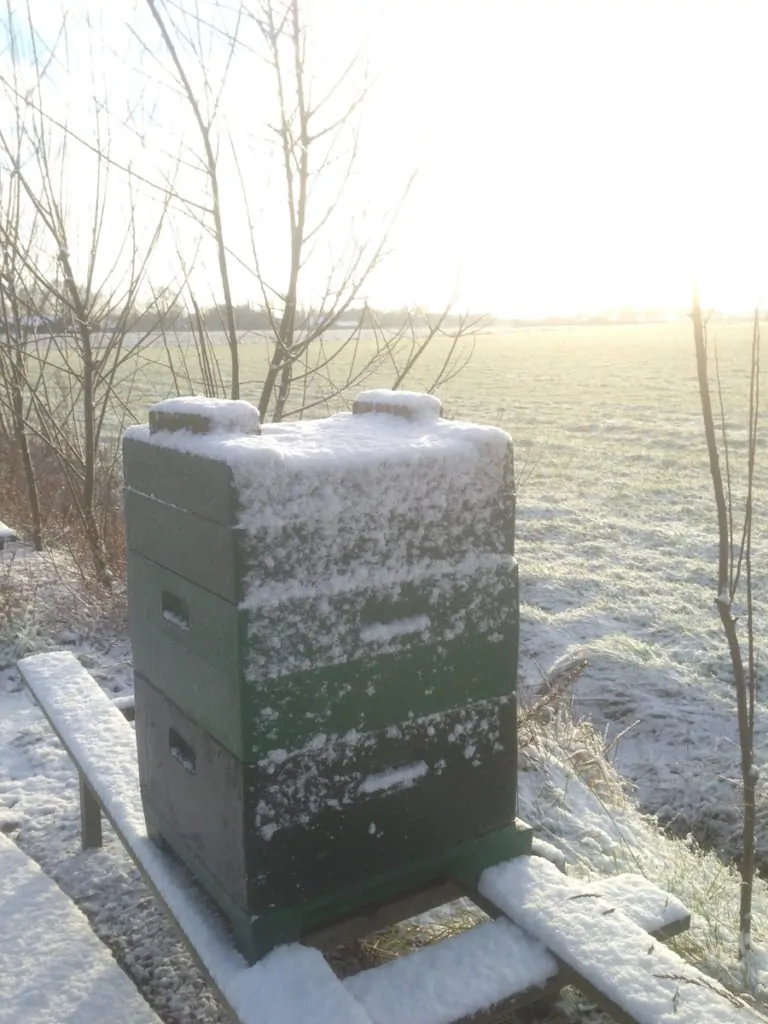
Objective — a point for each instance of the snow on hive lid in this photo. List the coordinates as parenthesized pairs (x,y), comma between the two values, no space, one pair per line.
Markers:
(202,415)
(411,405)
(335,443)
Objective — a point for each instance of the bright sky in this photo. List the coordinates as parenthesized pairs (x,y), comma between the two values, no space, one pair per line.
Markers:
(583,155)
(572,155)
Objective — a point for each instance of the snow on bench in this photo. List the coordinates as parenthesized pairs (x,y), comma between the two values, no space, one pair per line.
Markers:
(457,977)
(655,911)
(293,984)
(612,956)
(6,534)
(494,962)
(53,967)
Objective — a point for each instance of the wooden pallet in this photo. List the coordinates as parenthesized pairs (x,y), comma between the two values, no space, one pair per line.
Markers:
(6,535)
(546,930)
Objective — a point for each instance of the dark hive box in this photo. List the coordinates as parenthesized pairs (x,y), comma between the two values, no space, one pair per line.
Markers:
(324,621)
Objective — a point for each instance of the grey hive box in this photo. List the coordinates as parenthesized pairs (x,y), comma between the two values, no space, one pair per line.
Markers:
(324,620)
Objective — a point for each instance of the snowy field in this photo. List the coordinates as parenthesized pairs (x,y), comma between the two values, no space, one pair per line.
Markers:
(617,553)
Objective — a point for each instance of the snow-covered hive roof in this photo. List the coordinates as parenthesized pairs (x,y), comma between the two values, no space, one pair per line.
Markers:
(407,427)
(389,487)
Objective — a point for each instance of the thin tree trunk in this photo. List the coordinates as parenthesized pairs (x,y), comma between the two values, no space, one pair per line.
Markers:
(724,596)
(213,176)
(87,495)
(28,467)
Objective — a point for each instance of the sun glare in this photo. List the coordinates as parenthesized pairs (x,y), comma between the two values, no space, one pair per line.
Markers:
(576,156)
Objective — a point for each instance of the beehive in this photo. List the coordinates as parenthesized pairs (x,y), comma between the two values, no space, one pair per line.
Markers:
(324,621)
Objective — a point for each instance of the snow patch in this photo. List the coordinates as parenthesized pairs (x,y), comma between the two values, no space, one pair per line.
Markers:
(176,620)
(394,778)
(411,404)
(223,415)
(383,632)
(457,977)
(54,968)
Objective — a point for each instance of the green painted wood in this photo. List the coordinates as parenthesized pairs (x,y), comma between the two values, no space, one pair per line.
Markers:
(220,559)
(204,552)
(200,657)
(364,696)
(204,488)
(294,827)
(189,482)
(508,502)
(316,628)
(189,616)
(90,816)
(241,714)
(209,695)
(379,692)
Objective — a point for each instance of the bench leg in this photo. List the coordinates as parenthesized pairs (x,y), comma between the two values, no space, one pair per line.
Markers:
(90,816)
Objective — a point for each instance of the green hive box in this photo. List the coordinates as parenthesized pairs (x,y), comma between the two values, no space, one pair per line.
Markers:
(324,620)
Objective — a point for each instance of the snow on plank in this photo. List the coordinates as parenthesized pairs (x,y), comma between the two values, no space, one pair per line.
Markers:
(52,966)
(657,912)
(456,977)
(293,984)
(638,977)
(6,534)
(492,962)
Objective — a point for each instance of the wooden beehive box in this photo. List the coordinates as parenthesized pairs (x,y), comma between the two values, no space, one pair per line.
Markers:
(324,620)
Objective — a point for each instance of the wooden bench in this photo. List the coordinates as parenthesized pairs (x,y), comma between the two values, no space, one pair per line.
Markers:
(608,953)
(548,930)
(6,535)
(52,965)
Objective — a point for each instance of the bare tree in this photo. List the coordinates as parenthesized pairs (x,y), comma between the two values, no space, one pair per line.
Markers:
(71,274)
(734,567)
(90,193)
(204,122)
(315,143)
(14,327)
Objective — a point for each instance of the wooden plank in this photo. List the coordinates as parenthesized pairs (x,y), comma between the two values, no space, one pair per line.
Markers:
(102,745)
(461,975)
(650,907)
(190,482)
(655,911)
(126,705)
(52,965)
(6,535)
(612,960)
